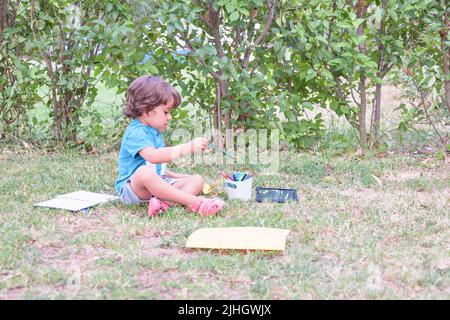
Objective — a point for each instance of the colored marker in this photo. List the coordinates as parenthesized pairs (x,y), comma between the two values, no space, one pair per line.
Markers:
(220,150)
(225,176)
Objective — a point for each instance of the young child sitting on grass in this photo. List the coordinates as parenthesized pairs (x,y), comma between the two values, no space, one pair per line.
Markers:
(143,176)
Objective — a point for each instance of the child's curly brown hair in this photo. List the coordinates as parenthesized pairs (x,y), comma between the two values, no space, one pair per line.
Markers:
(146,93)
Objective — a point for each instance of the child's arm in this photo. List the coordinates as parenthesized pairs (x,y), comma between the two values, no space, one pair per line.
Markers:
(167,154)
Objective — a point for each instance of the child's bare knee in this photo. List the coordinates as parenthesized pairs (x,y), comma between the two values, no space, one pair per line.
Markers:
(198,180)
(145,172)
(197,184)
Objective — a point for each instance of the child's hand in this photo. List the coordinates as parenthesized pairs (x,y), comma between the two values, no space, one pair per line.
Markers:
(199,145)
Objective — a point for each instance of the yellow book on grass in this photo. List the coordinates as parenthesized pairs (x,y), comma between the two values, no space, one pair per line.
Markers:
(251,238)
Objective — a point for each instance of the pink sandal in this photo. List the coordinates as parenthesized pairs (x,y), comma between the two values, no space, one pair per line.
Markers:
(156,206)
(207,207)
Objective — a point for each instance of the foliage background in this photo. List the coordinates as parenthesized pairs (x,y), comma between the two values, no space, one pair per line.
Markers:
(238,65)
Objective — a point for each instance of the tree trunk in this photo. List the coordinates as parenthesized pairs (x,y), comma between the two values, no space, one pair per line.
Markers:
(361,10)
(3,16)
(3,24)
(376,112)
(362,112)
(213,20)
(243,116)
(376,120)
(227,116)
(446,59)
(218,116)
(73,128)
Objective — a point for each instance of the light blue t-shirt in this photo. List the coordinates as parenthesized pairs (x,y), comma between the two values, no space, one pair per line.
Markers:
(137,136)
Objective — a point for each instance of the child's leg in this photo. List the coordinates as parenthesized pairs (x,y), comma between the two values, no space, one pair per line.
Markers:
(145,183)
(192,184)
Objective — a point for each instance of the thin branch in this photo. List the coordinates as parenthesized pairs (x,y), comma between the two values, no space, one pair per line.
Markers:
(236,41)
(255,67)
(46,58)
(426,111)
(330,25)
(387,67)
(250,48)
(340,92)
(250,30)
(25,143)
(100,76)
(353,97)
(202,61)
(88,72)
(65,69)
(213,21)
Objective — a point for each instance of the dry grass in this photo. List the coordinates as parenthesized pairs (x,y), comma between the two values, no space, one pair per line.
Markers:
(352,237)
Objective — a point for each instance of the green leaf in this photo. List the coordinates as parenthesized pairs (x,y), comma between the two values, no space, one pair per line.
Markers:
(244,11)
(308,105)
(234,16)
(310,74)
(337,61)
(152,69)
(393,15)
(229,7)
(322,39)
(40,25)
(277,45)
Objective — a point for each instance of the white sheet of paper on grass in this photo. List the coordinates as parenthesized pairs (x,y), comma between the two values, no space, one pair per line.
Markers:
(252,238)
(76,201)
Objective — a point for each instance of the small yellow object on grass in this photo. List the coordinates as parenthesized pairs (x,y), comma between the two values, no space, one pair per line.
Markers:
(207,188)
(250,238)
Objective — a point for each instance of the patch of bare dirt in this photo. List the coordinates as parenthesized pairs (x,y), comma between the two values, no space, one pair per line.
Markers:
(434,170)
(76,263)
(154,279)
(12,293)
(393,200)
(171,284)
(151,242)
(402,176)
(368,194)
(442,264)
(96,221)
(154,245)
(63,258)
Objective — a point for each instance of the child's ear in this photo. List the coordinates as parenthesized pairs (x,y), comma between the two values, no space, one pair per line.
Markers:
(149,113)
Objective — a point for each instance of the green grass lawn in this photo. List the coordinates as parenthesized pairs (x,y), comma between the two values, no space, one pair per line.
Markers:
(351,237)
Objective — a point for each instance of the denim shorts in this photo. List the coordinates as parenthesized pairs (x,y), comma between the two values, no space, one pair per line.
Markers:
(129,197)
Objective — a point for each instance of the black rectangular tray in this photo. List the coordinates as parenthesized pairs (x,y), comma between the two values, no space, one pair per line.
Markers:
(279,195)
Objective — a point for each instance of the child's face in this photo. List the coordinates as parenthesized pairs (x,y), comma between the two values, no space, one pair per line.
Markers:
(159,117)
